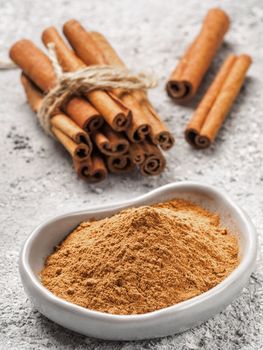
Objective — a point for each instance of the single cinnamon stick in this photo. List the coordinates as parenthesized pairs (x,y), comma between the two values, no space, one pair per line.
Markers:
(33,94)
(83,168)
(84,114)
(154,162)
(60,120)
(186,78)
(137,153)
(119,164)
(109,142)
(71,129)
(116,114)
(213,108)
(77,151)
(92,169)
(91,53)
(159,133)
(81,42)
(34,63)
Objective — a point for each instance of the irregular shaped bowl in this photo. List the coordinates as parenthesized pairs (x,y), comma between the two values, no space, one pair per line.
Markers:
(159,323)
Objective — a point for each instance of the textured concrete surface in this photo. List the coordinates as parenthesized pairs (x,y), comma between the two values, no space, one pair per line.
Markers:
(37,180)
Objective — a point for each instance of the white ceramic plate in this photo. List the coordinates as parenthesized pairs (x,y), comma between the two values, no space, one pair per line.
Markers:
(159,323)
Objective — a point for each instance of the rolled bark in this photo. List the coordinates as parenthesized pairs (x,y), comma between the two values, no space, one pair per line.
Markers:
(215,105)
(84,114)
(186,78)
(159,133)
(71,129)
(119,164)
(83,168)
(154,162)
(82,43)
(109,142)
(34,63)
(116,114)
(137,153)
(33,94)
(78,152)
(92,169)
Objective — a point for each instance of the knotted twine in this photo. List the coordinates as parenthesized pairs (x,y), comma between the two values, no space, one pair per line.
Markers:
(85,80)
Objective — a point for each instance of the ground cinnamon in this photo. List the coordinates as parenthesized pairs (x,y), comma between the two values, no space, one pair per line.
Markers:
(142,259)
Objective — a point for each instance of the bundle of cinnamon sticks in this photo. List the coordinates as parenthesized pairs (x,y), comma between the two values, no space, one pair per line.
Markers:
(103,131)
(185,80)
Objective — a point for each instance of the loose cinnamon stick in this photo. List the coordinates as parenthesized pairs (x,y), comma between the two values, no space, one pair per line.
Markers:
(187,76)
(109,142)
(154,162)
(119,164)
(90,53)
(213,109)
(116,114)
(158,131)
(60,120)
(77,151)
(92,169)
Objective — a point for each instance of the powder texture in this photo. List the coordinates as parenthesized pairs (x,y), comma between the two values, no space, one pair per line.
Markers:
(142,259)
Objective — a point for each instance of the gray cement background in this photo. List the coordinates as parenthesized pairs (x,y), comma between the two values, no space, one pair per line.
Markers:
(37,180)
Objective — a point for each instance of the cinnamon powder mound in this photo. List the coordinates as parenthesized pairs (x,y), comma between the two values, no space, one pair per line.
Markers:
(142,259)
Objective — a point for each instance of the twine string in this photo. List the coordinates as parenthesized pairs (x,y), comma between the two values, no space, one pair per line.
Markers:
(85,80)
(7,65)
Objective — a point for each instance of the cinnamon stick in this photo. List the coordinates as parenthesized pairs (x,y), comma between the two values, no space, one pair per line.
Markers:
(77,151)
(81,42)
(159,133)
(116,114)
(213,108)
(92,169)
(91,53)
(71,129)
(119,164)
(84,114)
(60,120)
(33,94)
(34,63)
(154,162)
(109,142)
(83,168)
(137,153)
(186,78)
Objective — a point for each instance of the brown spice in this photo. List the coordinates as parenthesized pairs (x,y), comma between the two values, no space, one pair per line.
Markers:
(142,259)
